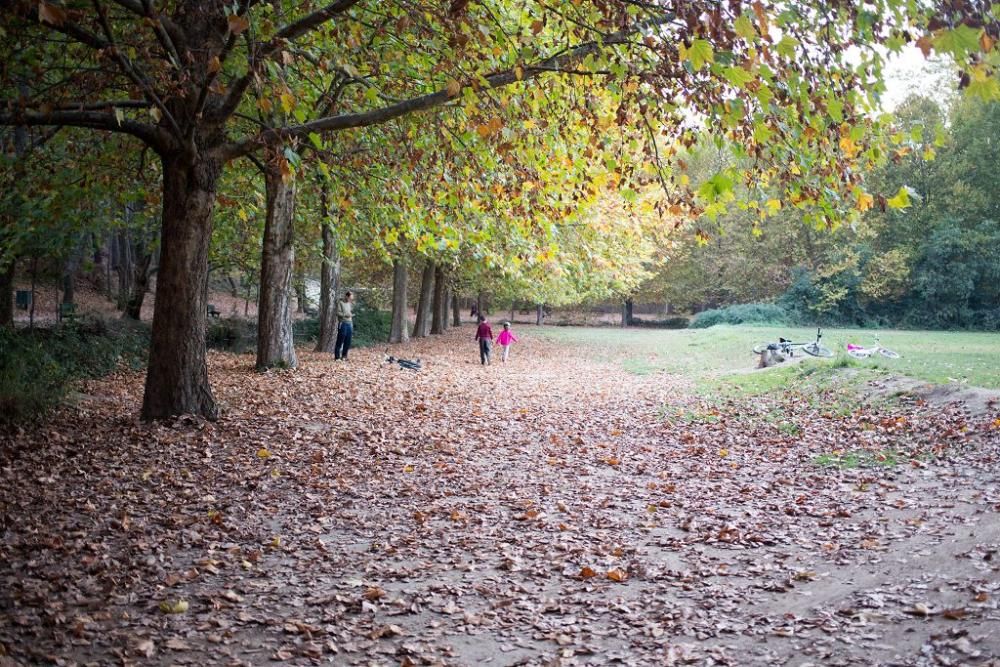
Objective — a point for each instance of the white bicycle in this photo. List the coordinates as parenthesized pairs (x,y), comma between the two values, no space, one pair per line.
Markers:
(861,352)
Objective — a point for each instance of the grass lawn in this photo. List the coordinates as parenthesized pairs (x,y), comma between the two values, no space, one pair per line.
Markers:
(720,357)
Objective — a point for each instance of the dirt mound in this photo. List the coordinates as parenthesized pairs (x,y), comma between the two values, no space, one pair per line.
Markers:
(975,400)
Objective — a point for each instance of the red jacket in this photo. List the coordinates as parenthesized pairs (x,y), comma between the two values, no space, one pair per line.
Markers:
(484,331)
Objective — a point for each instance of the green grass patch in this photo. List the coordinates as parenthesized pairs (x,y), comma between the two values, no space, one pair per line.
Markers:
(705,355)
(859,459)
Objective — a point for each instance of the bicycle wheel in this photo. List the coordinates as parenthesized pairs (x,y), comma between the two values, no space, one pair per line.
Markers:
(859,354)
(888,353)
(759,348)
(817,350)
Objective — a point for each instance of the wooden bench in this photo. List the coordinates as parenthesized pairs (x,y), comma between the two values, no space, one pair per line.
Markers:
(213,311)
(67,311)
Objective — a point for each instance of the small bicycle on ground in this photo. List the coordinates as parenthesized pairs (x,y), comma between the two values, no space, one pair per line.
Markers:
(860,352)
(787,348)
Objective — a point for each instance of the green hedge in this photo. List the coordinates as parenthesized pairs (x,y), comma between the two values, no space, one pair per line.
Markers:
(743,313)
(37,365)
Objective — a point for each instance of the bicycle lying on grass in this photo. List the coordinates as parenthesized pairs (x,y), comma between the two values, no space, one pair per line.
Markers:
(860,352)
(787,347)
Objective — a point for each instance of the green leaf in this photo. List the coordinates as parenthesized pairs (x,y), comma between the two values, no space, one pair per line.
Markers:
(744,28)
(316,140)
(959,42)
(901,200)
(738,76)
(787,46)
(836,110)
(699,53)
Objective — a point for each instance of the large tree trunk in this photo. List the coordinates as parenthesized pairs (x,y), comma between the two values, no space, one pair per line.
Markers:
(456,311)
(539,314)
(329,285)
(422,325)
(439,305)
(275,344)
(399,332)
(7,295)
(177,380)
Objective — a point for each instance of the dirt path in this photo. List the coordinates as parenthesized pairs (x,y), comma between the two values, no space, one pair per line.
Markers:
(552,510)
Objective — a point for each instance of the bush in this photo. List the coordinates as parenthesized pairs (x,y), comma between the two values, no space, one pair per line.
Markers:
(37,365)
(668,323)
(743,313)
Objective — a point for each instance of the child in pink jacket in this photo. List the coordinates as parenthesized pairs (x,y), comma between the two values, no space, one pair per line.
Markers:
(504,340)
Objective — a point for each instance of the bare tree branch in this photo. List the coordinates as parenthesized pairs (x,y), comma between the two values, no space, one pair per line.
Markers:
(158,139)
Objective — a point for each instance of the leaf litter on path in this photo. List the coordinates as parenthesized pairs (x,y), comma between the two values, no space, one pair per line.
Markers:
(550,510)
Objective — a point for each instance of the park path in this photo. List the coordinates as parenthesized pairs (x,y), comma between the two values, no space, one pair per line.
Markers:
(552,510)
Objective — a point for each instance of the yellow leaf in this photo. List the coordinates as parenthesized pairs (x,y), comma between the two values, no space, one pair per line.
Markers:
(865,201)
(723,453)
(617,575)
(774,205)
(174,606)
(276,542)
(518,72)
(287,102)
(408,468)
(454,87)
(263,453)
(901,200)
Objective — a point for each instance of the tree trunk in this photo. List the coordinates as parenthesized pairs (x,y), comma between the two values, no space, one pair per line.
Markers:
(439,305)
(512,311)
(275,344)
(7,295)
(445,301)
(329,285)
(399,332)
(177,380)
(539,314)
(301,299)
(34,280)
(456,311)
(422,326)
(140,284)
(627,307)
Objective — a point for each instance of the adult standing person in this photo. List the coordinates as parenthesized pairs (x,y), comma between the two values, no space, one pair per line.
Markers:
(345,327)
(484,334)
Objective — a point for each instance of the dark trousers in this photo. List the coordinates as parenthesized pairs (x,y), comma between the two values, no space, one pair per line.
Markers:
(345,331)
(485,345)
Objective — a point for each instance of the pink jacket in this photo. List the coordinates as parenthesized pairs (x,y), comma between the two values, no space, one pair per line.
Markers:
(506,337)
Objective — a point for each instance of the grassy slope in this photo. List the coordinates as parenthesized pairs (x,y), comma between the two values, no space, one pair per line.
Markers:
(719,357)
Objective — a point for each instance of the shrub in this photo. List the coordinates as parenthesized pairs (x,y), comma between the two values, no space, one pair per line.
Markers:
(37,365)
(667,323)
(743,313)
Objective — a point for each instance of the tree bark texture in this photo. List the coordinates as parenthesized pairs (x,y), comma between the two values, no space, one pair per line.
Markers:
(399,331)
(445,304)
(456,311)
(329,287)
(177,379)
(422,326)
(7,295)
(627,308)
(275,343)
(439,309)
(539,314)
